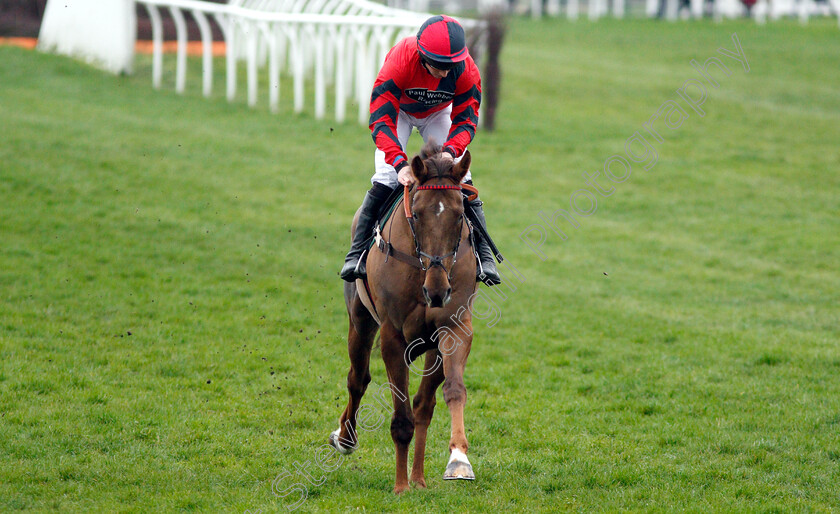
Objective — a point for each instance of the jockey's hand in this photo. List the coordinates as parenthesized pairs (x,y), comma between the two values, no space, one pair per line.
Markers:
(447,156)
(404,176)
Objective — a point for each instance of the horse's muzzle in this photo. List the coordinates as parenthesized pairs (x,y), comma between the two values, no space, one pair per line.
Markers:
(437,300)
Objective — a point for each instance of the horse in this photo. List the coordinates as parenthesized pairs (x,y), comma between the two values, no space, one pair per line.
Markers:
(421,277)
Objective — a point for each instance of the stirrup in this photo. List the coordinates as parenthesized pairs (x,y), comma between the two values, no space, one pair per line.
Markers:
(357,271)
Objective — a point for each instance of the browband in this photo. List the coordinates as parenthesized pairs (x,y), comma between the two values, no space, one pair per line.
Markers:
(437,186)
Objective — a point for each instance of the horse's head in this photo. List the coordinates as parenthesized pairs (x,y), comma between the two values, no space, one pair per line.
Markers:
(437,209)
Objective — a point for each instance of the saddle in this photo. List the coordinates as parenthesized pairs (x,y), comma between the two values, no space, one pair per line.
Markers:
(385,213)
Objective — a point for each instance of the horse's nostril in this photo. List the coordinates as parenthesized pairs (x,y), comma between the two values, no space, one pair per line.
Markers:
(437,300)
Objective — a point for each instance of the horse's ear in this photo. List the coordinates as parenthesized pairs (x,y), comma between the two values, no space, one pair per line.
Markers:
(418,169)
(462,167)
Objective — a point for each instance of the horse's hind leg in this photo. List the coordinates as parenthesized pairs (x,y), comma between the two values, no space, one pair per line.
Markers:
(424,409)
(359,343)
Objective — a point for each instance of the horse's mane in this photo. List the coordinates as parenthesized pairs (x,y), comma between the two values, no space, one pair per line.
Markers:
(431,152)
(430,149)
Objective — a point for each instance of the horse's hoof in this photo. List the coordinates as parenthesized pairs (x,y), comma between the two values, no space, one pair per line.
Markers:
(337,445)
(459,467)
(419,483)
(399,489)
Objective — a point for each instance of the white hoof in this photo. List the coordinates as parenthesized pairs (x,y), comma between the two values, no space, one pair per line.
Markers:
(334,441)
(459,467)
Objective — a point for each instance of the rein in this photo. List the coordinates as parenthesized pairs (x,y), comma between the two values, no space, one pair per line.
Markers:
(434,260)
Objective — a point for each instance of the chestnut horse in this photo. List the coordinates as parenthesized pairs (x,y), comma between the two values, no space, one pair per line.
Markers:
(421,275)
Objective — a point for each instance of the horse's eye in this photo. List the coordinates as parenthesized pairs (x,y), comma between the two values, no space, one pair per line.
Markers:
(414,215)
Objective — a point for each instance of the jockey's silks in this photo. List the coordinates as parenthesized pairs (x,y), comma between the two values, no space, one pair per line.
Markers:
(403,83)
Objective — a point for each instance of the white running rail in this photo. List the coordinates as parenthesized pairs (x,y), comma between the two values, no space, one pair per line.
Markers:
(340,43)
(673,10)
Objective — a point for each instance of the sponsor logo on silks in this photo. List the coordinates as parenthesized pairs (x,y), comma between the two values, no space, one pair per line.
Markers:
(429,98)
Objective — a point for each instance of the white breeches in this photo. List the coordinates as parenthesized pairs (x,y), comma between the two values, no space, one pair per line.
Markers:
(435,126)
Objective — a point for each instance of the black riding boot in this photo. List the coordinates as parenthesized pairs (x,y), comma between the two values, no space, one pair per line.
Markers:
(353,267)
(486,270)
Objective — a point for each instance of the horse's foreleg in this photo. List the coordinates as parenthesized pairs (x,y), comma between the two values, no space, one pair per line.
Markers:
(424,408)
(402,423)
(359,343)
(455,395)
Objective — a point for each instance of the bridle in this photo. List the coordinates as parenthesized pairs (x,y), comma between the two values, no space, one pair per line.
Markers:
(434,260)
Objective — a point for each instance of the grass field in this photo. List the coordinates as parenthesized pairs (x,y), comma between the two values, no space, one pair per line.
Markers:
(172,327)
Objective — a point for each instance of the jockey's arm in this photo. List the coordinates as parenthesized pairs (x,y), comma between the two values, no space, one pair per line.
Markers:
(465,107)
(404,175)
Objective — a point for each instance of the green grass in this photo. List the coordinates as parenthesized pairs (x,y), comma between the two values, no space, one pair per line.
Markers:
(172,326)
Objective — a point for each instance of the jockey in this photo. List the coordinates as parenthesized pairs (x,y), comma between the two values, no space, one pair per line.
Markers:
(429,82)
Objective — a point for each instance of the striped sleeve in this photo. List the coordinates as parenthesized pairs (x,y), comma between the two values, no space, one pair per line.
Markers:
(384,108)
(465,106)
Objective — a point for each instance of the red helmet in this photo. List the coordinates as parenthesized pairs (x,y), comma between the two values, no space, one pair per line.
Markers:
(441,42)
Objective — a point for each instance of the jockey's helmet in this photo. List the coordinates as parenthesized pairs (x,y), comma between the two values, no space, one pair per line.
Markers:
(441,42)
